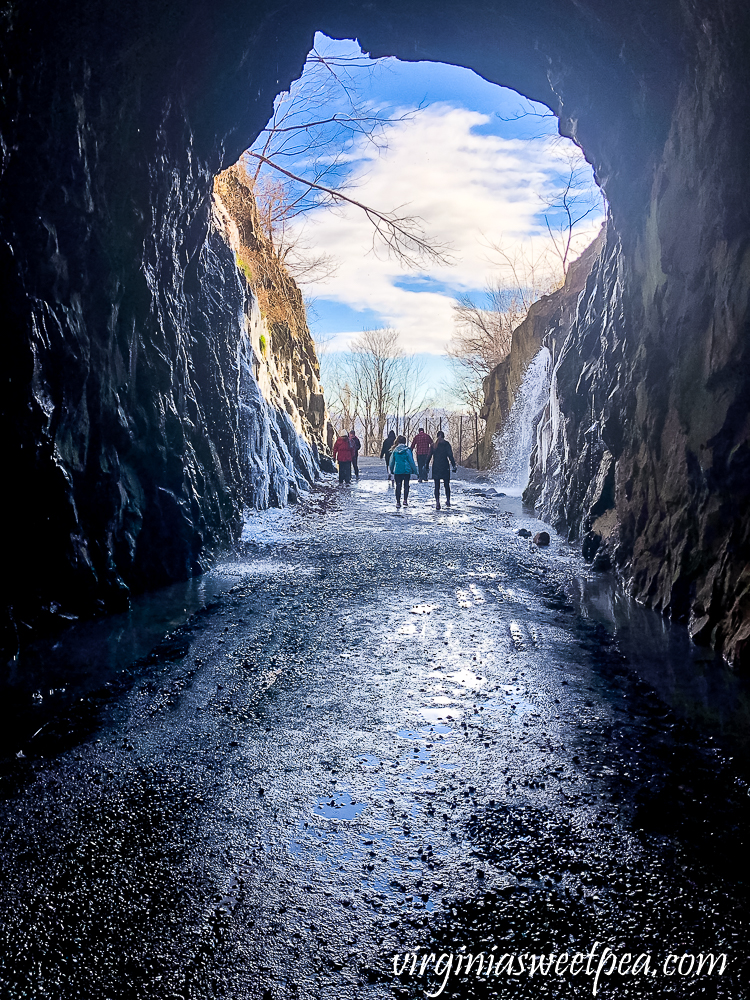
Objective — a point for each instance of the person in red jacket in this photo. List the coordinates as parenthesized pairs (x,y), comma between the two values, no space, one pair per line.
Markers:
(421,447)
(342,453)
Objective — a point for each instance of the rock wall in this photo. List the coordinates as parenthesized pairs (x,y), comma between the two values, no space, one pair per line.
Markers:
(572,470)
(646,450)
(140,415)
(122,314)
(548,321)
(284,364)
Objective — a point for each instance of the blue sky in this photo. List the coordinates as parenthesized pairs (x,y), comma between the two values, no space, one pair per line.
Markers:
(478,164)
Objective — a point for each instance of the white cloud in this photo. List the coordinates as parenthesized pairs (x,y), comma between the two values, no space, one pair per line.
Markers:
(470,189)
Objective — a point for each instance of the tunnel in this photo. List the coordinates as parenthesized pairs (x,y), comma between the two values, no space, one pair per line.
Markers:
(121,425)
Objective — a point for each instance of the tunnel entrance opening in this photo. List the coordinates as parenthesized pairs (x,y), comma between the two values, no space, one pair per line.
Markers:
(112,134)
(419,198)
(189,852)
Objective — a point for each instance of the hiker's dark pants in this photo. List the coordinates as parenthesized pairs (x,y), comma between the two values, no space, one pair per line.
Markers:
(446,480)
(345,472)
(423,462)
(355,466)
(387,465)
(402,477)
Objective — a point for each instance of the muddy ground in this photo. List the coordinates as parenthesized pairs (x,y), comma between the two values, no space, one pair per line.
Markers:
(399,732)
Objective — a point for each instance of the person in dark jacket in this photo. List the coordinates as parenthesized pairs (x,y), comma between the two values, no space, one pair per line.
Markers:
(342,453)
(442,462)
(385,451)
(355,444)
(403,466)
(421,447)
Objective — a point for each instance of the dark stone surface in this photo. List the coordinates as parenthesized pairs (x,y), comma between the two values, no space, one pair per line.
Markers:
(119,416)
(589,545)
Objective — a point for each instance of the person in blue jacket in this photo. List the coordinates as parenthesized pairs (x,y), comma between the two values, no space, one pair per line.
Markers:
(403,467)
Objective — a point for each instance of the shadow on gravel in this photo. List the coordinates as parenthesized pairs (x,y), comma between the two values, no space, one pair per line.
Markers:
(108,879)
(573,888)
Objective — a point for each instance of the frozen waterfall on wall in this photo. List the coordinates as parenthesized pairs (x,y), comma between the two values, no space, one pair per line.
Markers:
(280,462)
(276,462)
(272,377)
(514,444)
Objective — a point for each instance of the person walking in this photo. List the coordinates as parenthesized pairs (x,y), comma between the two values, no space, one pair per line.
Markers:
(421,447)
(342,453)
(442,462)
(355,444)
(385,451)
(403,466)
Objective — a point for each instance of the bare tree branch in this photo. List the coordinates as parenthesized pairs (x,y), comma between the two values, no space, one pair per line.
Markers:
(402,235)
(482,336)
(576,202)
(307,143)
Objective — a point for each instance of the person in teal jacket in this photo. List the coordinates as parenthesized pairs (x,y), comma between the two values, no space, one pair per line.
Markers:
(403,467)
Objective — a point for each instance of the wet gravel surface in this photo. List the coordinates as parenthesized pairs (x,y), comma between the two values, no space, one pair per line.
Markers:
(398,733)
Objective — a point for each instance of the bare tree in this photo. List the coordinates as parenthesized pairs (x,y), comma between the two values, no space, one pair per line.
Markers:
(291,249)
(299,162)
(374,384)
(470,394)
(575,198)
(375,358)
(525,270)
(402,236)
(341,399)
(483,333)
(573,202)
(481,340)
(362,384)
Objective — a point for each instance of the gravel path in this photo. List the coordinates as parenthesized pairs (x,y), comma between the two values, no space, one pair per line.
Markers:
(399,732)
